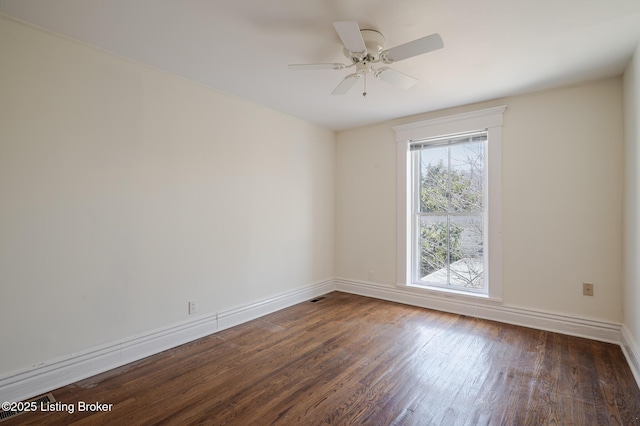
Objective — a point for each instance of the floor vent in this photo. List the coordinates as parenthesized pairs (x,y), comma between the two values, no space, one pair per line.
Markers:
(317,299)
(38,400)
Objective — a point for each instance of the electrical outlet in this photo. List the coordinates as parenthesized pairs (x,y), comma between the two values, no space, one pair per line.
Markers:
(193,307)
(587,289)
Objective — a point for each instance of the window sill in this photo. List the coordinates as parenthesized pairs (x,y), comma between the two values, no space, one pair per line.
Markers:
(448,293)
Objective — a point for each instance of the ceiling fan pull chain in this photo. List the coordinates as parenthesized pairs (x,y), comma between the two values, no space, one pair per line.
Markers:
(364,93)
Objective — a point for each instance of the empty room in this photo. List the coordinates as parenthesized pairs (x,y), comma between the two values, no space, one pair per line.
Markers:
(321,212)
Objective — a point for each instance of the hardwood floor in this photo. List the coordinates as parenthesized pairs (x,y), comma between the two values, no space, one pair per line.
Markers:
(353,360)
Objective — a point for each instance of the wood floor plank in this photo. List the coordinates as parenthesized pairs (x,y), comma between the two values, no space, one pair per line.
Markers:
(349,359)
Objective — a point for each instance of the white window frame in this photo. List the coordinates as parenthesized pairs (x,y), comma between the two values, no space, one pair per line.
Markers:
(489,120)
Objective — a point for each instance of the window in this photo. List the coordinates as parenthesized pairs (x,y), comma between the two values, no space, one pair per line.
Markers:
(449,204)
(448,212)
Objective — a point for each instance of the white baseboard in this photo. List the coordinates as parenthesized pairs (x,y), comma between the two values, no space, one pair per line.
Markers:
(51,375)
(631,351)
(488,309)
(242,314)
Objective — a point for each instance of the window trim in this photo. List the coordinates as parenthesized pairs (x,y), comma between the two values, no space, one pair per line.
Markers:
(490,120)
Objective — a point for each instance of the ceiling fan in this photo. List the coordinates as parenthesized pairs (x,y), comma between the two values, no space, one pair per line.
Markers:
(365,48)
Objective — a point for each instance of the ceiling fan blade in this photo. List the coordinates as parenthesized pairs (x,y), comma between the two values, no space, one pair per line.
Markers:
(346,84)
(395,78)
(304,67)
(413,48)
(349,33)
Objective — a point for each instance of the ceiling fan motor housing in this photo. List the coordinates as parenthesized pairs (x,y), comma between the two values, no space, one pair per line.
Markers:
(374,41)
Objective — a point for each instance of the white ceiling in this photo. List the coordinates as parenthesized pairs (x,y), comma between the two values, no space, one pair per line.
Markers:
(493,48)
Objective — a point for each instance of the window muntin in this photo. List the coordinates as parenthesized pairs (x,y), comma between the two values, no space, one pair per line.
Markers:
(449,214)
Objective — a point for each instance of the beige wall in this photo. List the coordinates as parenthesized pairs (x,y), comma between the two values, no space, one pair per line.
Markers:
(631,294)
(125,192)
(562,200)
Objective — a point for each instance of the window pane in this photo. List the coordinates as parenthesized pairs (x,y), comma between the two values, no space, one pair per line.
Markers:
(433,242)
(467,177)
(466,244)
(449,202)
(434,179)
